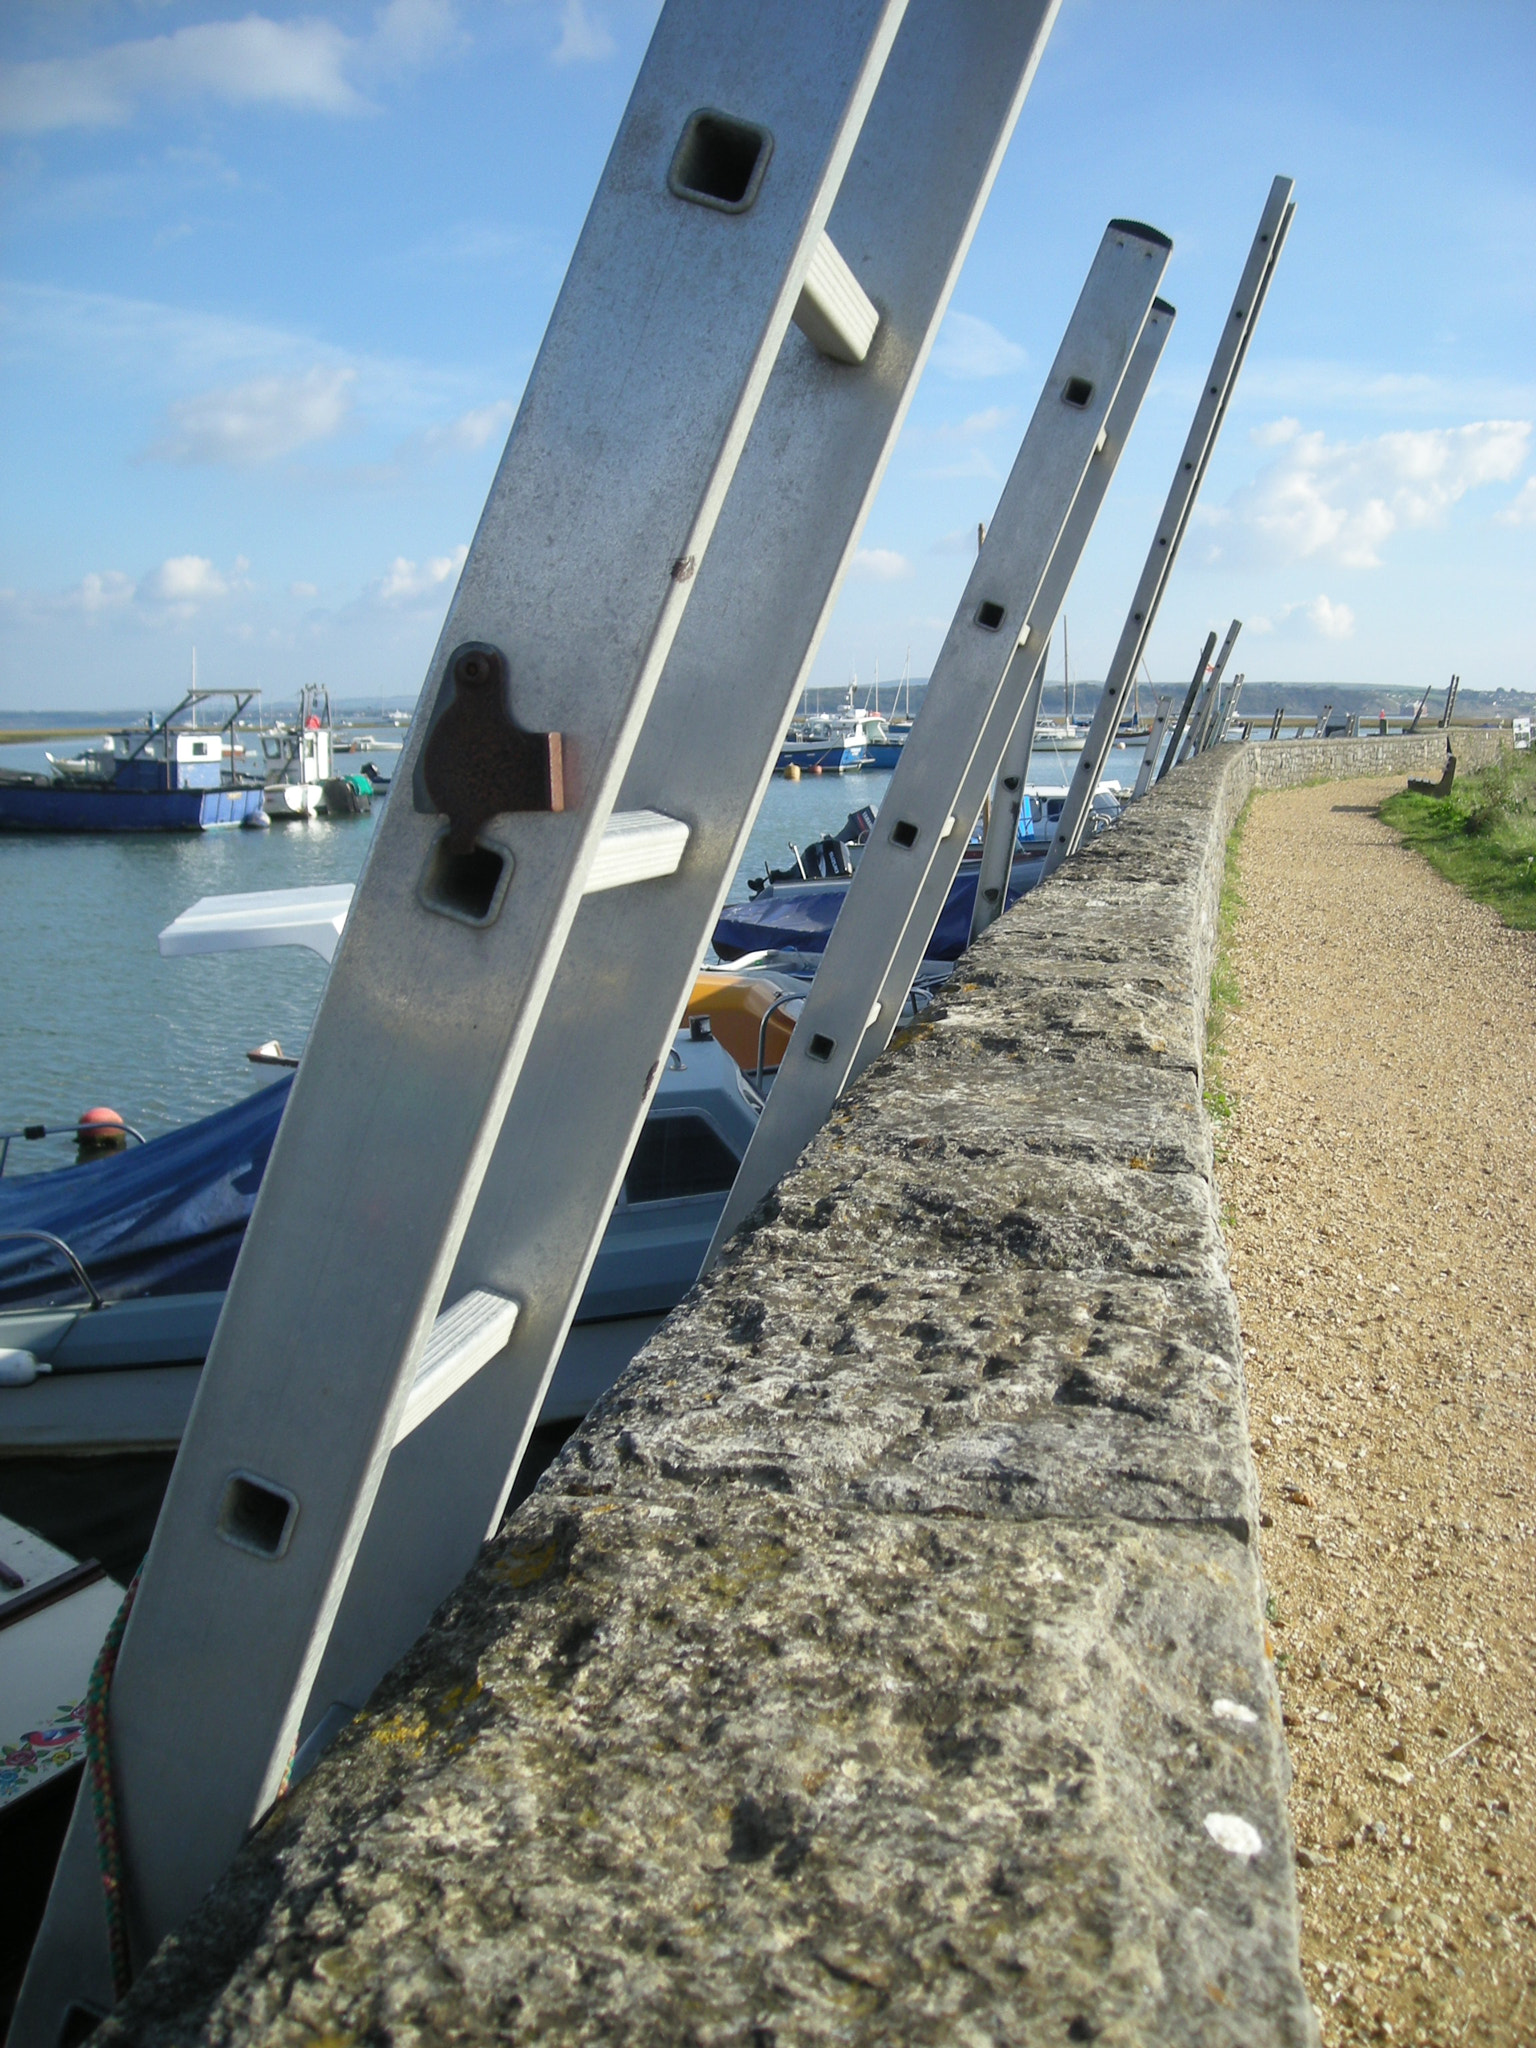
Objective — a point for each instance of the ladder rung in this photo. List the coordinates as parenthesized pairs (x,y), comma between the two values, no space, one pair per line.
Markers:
(834,312)
(636,846)
(463,1339)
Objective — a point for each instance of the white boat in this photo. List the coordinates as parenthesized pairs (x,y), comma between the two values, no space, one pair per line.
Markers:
(835,743)
(301,778)
(87,1375)
(54,1613)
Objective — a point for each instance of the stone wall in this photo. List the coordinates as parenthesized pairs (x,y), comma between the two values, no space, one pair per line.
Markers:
(884,1661)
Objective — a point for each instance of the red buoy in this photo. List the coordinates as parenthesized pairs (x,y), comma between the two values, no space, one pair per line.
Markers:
(100,1130)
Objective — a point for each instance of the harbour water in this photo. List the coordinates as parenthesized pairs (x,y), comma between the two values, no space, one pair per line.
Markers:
(90,1013)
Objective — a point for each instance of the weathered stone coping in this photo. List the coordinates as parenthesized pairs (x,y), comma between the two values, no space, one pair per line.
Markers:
(884,1661)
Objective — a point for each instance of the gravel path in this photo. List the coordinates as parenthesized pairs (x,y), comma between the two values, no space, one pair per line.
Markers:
(1380,1178)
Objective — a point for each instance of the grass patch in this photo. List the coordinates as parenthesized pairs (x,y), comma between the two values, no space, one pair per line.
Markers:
(1226,995)
(1482,836)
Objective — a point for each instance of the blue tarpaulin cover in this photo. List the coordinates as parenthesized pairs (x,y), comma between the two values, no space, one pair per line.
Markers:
(161,1218)
(798,922)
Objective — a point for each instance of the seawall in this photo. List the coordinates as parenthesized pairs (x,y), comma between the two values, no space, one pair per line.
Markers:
(885,1659)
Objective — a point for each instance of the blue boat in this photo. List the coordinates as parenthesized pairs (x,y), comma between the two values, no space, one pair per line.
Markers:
(794,909)
(173,776)
(788,919)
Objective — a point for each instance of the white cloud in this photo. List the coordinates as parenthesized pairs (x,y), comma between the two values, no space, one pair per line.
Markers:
(411,31)
(968,347)
(249,62)
(101,591)
(258,421)
(976,463)
(174,590)
(1276,433)
(1314,385)
(471,430)
(1328,620)
(1521,509)
(1332,621)
(405,582)
(1342,500)
(183,580)
(881,565)
(582,40)
(305,590)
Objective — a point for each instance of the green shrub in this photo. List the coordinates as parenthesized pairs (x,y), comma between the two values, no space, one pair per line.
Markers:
(1482,836)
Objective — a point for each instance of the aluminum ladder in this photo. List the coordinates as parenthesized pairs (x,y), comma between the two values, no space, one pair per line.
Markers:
(1155,732)
(1200,731)
(983,673)
(679,497)
(1231,348)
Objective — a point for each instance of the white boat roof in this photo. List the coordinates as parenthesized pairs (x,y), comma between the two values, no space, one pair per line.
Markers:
(311,917)
(636,846)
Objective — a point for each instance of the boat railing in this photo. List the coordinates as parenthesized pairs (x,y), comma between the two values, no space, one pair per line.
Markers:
(47,1237)
(30,1132)
(790,995)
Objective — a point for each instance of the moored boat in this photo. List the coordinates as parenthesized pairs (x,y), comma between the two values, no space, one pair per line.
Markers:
(837,743)
(171,776)
(112,1275)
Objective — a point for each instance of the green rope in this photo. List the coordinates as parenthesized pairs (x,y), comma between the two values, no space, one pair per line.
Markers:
(109,1845)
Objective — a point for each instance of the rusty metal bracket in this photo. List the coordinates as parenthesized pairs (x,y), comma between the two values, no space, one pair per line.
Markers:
(477,761)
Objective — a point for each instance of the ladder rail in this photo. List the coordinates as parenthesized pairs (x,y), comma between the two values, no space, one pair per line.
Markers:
(1171,752)
(940,122)
(1200,731)
(1008,760)
(1006,715)
(582,565)
(1010,793)
(918,815)
(1221,381)
(1155,733)
(1227,714)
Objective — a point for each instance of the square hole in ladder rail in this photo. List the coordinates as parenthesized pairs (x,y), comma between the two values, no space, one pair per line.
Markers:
(257,1516)
(990,615)
(821,1047)
(1076,391)
(720,161)
(904,832)
(467,886)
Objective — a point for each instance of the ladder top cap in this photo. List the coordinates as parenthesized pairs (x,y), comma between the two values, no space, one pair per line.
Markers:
(1142,232)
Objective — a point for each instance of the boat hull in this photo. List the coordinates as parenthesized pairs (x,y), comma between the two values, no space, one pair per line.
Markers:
(30,809)
(833,760)
(292,799)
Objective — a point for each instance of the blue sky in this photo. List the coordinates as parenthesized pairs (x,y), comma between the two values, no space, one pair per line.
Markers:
(272,281)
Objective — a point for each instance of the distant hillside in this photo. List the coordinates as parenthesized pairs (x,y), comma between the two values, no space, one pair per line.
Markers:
(1260,698)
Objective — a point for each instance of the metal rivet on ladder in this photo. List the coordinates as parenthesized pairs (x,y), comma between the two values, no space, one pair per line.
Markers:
(720,161)
(834,312)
